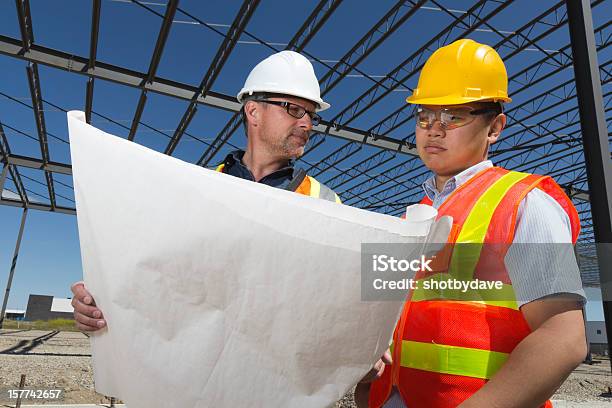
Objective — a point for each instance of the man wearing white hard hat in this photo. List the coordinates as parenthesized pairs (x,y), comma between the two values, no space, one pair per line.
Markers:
(280,100)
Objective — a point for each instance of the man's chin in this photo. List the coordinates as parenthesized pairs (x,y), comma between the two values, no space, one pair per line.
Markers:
(436,168)
(297,154)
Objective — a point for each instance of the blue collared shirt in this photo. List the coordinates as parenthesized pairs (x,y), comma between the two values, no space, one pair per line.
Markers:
(451,184)
(235,167)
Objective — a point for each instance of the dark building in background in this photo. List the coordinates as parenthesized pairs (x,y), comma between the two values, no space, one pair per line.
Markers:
(14,314)
(43,307)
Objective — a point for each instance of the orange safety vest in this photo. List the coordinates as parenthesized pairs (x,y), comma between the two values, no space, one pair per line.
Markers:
(308,186)
(446,350)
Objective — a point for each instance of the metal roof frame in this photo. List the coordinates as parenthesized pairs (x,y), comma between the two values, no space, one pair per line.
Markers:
(369,167)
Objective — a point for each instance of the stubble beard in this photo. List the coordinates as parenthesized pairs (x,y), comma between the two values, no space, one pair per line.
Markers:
(292,149)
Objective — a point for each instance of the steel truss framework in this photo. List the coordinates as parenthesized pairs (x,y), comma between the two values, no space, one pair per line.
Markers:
(369,166)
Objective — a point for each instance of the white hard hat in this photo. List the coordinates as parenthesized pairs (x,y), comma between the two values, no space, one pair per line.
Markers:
(288,73)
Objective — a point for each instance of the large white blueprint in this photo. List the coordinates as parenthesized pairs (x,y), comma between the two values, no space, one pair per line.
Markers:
(220,292)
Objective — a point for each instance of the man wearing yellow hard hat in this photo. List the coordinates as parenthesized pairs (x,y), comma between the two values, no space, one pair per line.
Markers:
(511,348)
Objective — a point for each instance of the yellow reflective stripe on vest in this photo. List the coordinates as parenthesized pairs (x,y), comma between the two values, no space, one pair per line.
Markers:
(467,253)
(477,222)
(474,229)
(504,297)
(444,359)
(315,187)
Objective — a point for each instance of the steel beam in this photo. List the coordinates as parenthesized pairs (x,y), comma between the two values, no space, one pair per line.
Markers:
(38,206)
(162,37)
(5,167)
(392,80)
(529,73)
(93,51)
(222,137)
(25,22)
(595,141)
(526,78)
(164,31)
(412,176)
(79,65)
(34,163)
(229,42)
(313,24)
(39,116)
(390,22)
(527,28)
(402,190)
(5,152)
(578,194)
(413,64)
(298,43)
(89,93)
(386,26)
(27,37)
(96,9)
(13,265)
(369,163)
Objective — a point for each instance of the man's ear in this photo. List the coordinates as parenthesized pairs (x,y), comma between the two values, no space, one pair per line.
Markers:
(497,125)
(251,112)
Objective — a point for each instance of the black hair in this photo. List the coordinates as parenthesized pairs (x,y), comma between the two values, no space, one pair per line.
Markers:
(496,108)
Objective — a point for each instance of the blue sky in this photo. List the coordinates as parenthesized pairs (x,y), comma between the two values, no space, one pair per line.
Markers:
(49,260)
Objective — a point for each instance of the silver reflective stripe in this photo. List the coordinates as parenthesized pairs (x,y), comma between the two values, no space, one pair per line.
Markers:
(327,193)
(319,190)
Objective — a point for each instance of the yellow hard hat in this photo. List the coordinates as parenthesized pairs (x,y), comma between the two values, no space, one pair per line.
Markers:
(464,71)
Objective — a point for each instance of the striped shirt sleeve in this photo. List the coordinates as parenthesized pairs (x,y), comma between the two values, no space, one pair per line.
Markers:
(541,260)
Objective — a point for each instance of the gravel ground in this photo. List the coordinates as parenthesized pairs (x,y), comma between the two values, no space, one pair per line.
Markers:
(64,361)
(587,382)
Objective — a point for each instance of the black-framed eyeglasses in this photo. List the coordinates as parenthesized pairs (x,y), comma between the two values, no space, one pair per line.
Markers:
(295,110)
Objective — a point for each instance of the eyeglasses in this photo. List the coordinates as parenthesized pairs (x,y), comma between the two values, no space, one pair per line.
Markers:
(450,118)
(295,110)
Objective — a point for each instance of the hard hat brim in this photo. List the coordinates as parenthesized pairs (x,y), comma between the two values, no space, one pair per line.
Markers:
(453,100)
(320,103)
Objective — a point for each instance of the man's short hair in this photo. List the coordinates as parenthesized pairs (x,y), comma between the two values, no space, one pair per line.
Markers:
(496,109)
(256,96)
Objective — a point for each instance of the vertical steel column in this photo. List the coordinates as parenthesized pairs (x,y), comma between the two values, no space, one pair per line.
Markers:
(3,178)
(12,272)
(595,142)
